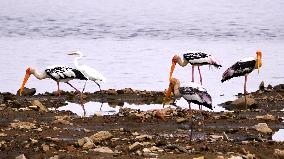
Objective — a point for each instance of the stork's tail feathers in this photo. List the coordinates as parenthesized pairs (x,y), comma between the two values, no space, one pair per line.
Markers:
(217,65)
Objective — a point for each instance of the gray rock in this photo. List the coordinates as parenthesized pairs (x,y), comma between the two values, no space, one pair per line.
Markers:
(261,86)
(27,91)
(241,102)
(143,137)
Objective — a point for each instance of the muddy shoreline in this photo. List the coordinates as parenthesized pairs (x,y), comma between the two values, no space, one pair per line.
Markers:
(30,128)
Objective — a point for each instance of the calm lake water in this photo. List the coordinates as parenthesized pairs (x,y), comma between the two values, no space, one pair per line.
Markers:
(132,42)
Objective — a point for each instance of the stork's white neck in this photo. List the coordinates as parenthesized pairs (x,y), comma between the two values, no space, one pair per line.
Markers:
(38,75)
(176,89)
(76,60)
(181,62)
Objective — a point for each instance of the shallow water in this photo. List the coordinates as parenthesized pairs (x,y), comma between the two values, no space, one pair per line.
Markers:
(133,46)
(278,136)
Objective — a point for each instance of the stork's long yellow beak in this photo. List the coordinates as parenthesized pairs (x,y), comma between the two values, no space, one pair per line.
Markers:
(172,70)
(258,63)
(27,76)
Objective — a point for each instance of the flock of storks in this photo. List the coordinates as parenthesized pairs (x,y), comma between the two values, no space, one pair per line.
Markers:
(192,92)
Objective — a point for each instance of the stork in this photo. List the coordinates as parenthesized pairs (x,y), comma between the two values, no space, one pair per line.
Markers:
(243,68)
(195,59)
(56,72)
(89,72)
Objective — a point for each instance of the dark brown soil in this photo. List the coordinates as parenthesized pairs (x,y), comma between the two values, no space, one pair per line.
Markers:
(55,134)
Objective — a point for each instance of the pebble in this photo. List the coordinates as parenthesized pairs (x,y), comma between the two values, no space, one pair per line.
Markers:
(40,106)
(279,153)
(101,136)
(181,120)
(45,147)
(262,127)
(22,156)
(103,150)
(88,145)
(135,146)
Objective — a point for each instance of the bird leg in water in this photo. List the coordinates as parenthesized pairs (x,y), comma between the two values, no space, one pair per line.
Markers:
(84,87)
(192,73)
(200,75)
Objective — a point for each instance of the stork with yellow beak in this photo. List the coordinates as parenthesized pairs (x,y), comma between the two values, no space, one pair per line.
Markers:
(57,72)
(243,68)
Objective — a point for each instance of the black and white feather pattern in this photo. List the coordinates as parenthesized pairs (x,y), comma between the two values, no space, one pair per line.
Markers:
(63,73)
(195,93)
(200,58)
(240,68)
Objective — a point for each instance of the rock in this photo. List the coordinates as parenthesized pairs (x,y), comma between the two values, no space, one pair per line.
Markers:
(135,133)
(201,157)
(279,153)
(3,134)
(181,120)
(240,102)
(1,99)
(22,125)
(33,141)
(54,157)
(84,140)
(101,136)
(45,147)
(261,86)
(40,106)
(269,86)
(27,91)
(22,156)
(135,146)
(266,117)
(216,137)
(139,153)
(235,157)
(220,157)
(103,150)
(150,154)
(88,145)
(262,127)
(143,137)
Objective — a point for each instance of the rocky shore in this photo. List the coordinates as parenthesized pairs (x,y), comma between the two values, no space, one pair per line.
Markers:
(31,128)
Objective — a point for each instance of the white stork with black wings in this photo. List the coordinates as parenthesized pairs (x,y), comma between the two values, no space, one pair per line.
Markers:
(243,68)
(195,59)
(57,72)
(191,92)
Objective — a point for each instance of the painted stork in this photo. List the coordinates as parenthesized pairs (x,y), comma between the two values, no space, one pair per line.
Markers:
(191,92)
(243,68)
(195,59)
(57,73)
(88,72)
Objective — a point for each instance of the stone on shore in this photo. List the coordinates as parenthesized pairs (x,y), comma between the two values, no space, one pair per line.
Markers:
(27,91)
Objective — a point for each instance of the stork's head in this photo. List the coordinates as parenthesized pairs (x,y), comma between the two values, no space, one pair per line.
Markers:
(172,84)
(258,59)
(76,53)
(27,76)
(174,61)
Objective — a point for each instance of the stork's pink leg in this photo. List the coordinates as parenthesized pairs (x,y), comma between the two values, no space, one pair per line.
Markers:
(245,85)
(200,75)
(58,91)
(192,73)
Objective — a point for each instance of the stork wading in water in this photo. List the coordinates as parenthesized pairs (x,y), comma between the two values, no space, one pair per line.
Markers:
(195,59)
(57,73)
(243,68)
(89,72)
